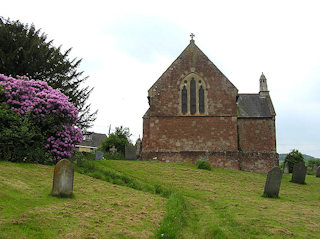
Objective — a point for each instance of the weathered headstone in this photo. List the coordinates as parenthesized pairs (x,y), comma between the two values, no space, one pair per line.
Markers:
(299,173)
(286,168)
(273,182)
(63,178)
(138,146)
(130,152)
(99,155)
(318,172)
(315,168)
(113,149)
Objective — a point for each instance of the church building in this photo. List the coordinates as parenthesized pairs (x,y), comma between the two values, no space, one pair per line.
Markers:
(196,113)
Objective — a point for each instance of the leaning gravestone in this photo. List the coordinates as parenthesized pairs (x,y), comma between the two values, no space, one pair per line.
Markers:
(130,152)
(286,168)
(272,186)
(318,172)
(99,155)
(63,178)
(299,173)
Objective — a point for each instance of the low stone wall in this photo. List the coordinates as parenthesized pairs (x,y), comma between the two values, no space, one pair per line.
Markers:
(247,161)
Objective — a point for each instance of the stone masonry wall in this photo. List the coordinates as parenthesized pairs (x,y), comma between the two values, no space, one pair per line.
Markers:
(190,133)
(165,93)
(252,162)
(257,135)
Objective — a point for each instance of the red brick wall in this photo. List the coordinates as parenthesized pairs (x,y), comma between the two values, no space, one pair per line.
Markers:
(257,135)
(190,133)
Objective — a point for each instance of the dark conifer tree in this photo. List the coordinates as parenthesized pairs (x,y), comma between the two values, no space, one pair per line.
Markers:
(24,50)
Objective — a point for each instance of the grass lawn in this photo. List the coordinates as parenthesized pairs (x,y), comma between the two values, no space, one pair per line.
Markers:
(219,204)
(98,209)
(229,204)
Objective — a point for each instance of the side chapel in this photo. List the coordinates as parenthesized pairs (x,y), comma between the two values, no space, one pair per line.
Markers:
(196,113)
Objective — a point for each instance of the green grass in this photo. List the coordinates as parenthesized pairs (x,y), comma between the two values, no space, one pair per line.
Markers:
(228,204)
(201,204)
(175,218)
(97,210)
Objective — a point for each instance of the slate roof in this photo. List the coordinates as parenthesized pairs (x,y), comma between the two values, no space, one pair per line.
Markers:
(254,106)
(93,141)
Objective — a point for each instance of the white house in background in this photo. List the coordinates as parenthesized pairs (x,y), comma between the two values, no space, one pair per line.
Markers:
(91,141)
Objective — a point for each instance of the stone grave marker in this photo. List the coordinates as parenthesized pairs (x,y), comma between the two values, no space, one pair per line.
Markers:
(113,149)
(299,173)
(273,182)
(63,178)
(315,168)
(130,152)
(99,155)
(139,146)
(318,172)
(286,168)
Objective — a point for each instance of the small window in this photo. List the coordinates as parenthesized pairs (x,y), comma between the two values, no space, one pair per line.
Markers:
(201,100)
(184,100)
(192,96)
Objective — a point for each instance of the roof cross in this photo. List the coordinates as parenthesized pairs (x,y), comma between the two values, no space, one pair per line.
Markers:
(192,36)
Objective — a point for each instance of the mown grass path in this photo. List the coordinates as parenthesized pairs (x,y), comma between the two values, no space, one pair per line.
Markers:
(228,204)
(98,210)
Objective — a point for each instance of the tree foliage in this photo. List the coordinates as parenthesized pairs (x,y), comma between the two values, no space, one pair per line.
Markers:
(292,158)
(24,50)
(36,120)
(119,139)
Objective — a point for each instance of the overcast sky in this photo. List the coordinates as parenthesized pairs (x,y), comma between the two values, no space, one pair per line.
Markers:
(127,45)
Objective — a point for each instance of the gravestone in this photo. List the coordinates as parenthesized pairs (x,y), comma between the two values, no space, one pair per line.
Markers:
(318,172)
(63,178)
(273,181)
(286,168)
(299,173)
(130,152)
(315,168)
(139,146)
(113,149)
(99,155)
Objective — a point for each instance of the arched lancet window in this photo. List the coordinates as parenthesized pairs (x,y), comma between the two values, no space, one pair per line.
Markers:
(201,100)
(193,93)
(193,96)
(184,100)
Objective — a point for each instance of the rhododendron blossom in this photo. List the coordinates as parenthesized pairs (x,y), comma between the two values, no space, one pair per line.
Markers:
(46,106)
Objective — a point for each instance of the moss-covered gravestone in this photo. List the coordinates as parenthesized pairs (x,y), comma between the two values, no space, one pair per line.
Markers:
(273,182)
(286,168)
(63,179)
(318,172)
(299,173)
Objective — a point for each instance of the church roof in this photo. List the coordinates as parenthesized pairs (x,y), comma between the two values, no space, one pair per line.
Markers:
(254,106)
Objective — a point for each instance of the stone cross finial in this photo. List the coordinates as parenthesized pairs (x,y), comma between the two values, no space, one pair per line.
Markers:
(192,36)
(113,149)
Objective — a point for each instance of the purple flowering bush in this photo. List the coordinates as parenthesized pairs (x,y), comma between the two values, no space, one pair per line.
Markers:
(44,109)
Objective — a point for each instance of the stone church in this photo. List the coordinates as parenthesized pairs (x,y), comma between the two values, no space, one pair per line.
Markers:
(196,113)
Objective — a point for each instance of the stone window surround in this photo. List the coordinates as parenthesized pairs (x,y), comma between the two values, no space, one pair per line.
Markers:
(199,82)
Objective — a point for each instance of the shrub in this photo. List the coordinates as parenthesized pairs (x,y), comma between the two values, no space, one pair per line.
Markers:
(292,158)
(119,139)
(203,165)
(48,114)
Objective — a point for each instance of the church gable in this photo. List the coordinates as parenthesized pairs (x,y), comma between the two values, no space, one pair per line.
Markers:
(196,113)
(192,85)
